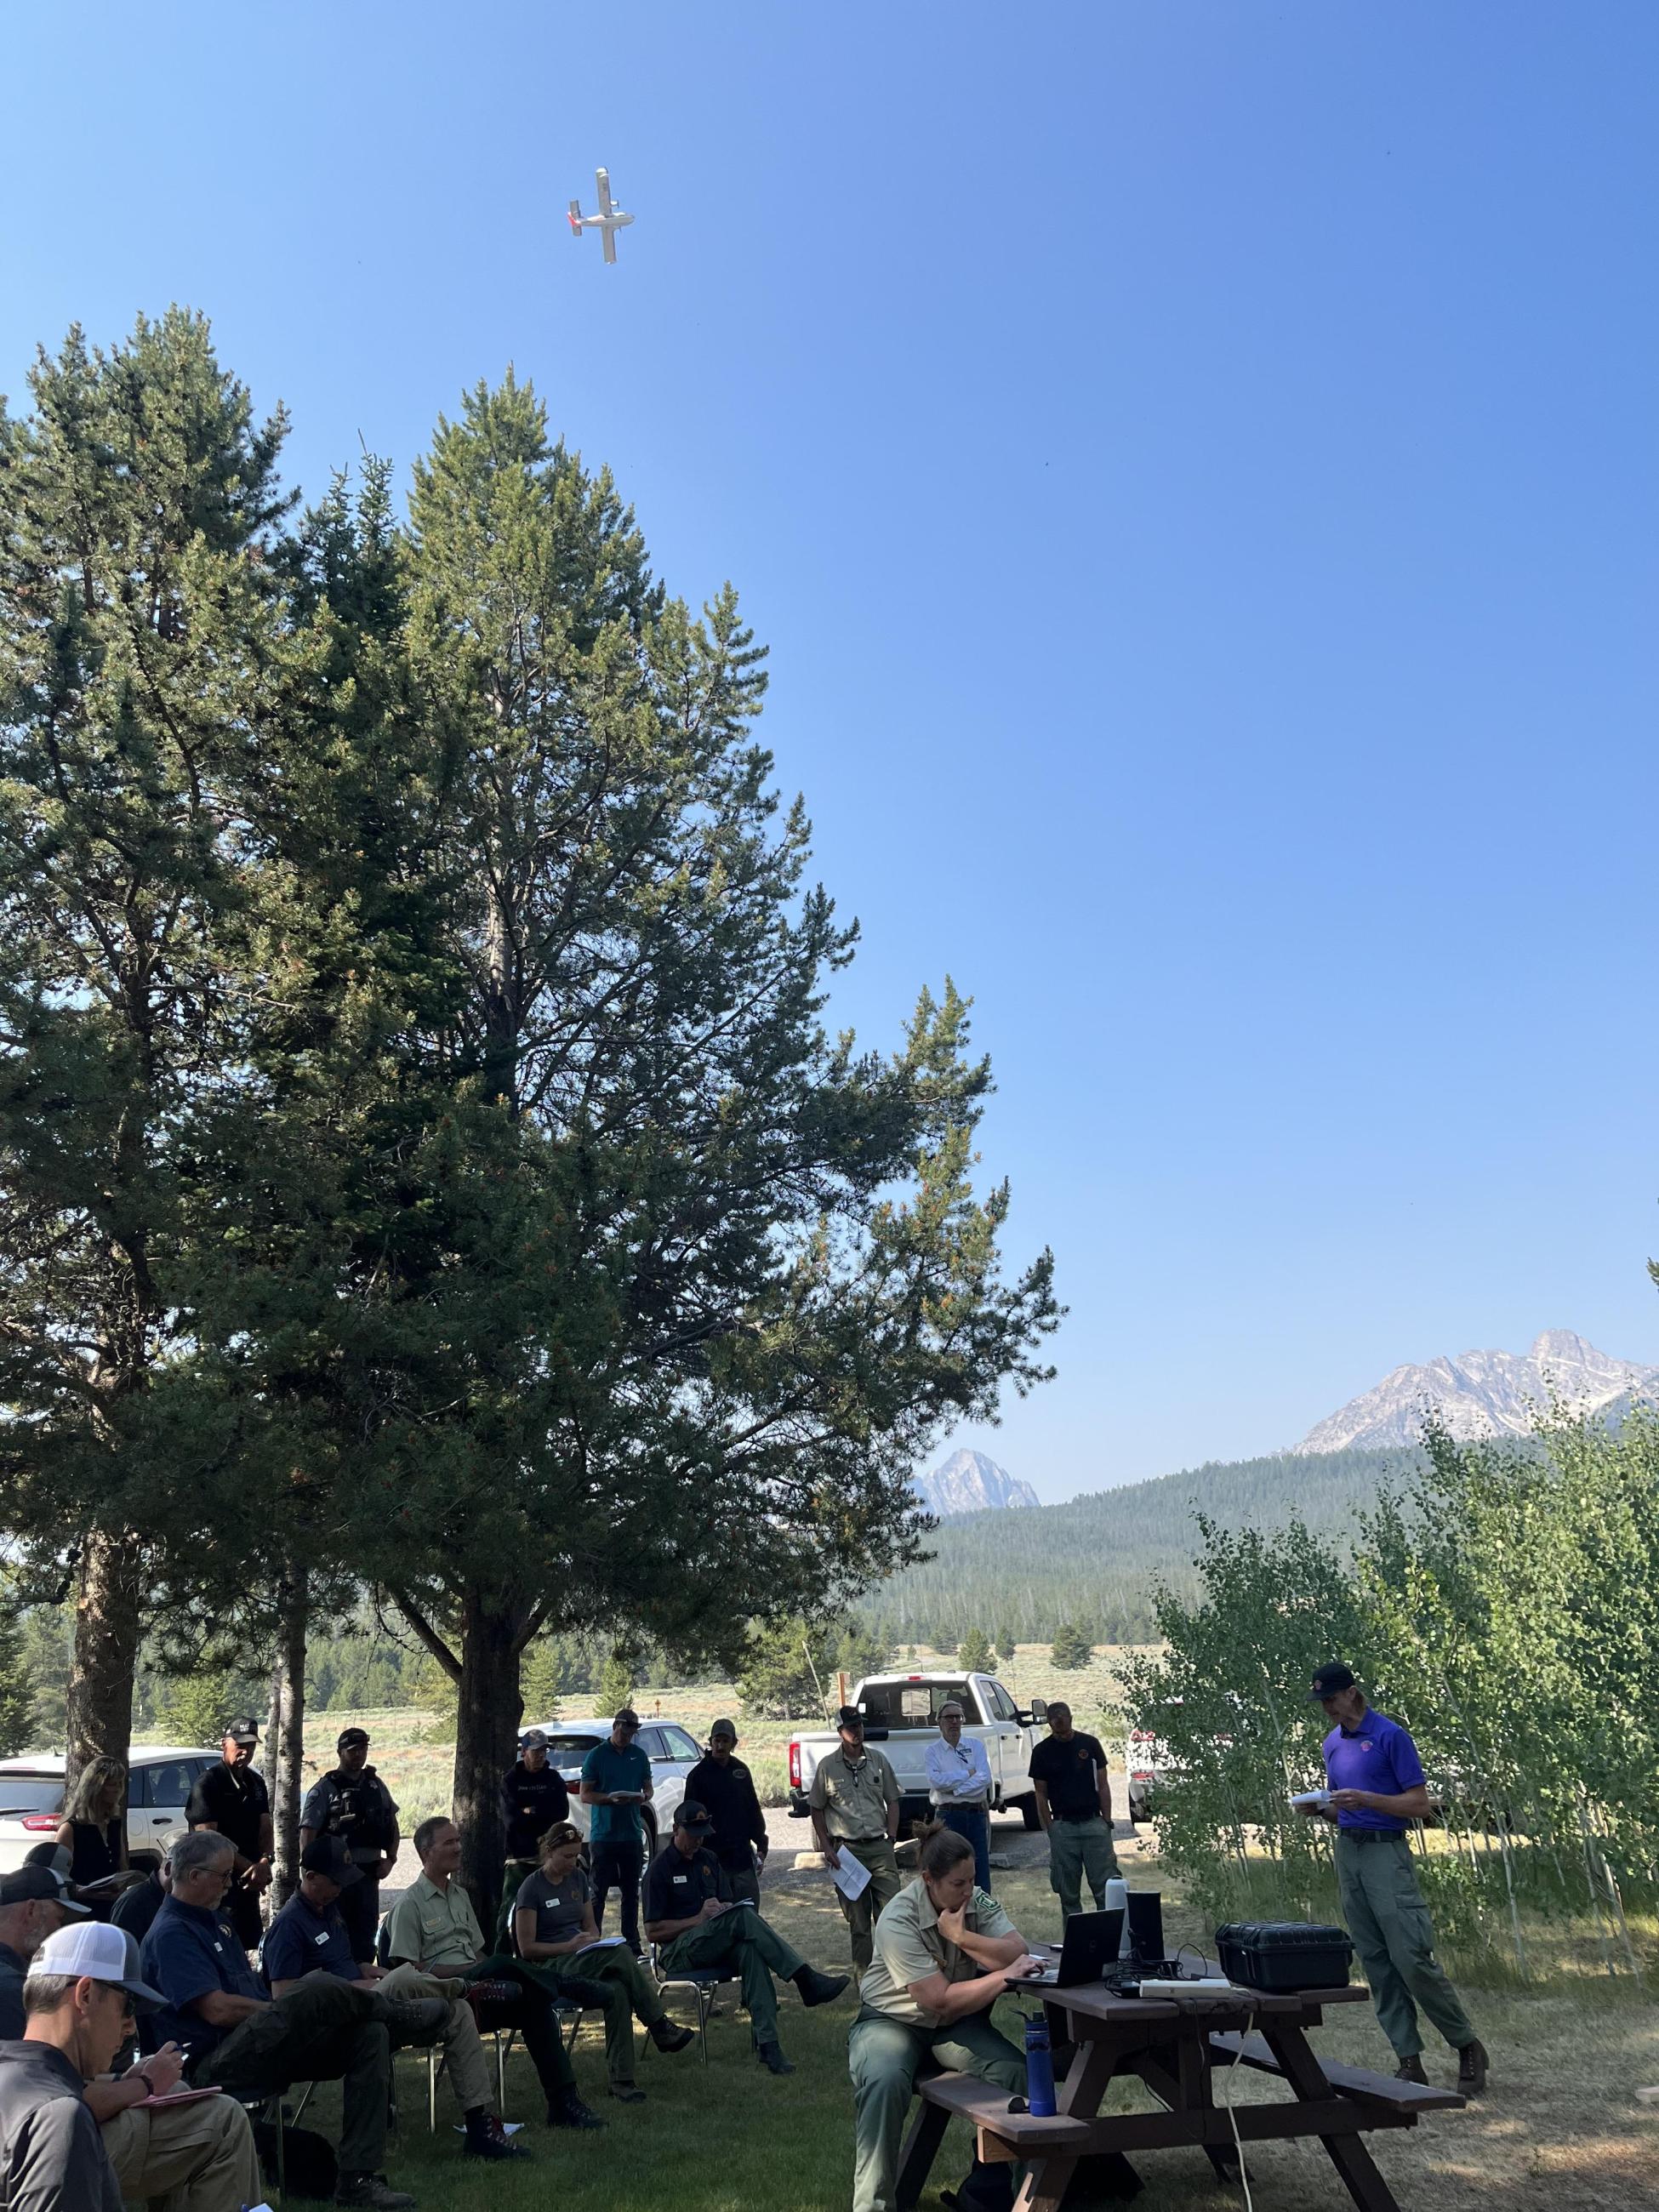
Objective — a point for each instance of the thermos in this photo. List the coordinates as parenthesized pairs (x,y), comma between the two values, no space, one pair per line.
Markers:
(1117,1900)
(1039,2070)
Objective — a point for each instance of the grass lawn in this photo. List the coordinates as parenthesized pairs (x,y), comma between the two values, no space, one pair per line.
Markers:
(1559,2128)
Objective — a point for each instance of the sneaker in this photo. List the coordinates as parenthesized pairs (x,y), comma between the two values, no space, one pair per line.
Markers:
(372,2189)
(628,2093)
(569,2111)
(416,2020)
(1410,2070)
(1472,2068)
(667,2037)
(816,1989)
(771,2057)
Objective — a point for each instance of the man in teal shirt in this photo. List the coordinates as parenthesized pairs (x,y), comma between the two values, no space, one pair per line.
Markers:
(615,1783)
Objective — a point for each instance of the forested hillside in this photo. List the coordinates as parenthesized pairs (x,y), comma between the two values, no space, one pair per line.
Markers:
(1020,1575)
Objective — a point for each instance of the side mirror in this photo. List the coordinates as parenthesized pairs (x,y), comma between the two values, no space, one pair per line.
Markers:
(1038,1714)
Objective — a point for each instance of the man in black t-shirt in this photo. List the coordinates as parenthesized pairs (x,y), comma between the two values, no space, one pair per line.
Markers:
(1074,1804)
(233,1800)
(533,1798)
(695,1927)
(725,1786)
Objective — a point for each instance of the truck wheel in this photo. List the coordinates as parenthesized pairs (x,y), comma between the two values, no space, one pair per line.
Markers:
(1029,1816)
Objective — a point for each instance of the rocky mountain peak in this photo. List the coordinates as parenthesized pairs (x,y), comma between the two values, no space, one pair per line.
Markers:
(1486,1393)
(970,1482)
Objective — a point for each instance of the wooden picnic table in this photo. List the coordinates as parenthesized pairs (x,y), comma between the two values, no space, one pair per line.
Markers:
(1175,2044)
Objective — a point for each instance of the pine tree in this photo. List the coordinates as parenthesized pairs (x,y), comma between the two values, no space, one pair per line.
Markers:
(616,1687)
(973,1653)
(17,1713)
(1071,1648)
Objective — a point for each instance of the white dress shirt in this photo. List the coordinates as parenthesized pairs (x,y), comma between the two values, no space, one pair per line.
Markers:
(959,1773)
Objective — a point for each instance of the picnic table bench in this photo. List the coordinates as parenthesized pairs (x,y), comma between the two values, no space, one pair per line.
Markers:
(1175,2044)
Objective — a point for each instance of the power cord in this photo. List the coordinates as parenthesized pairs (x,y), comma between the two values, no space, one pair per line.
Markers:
(1227,2101)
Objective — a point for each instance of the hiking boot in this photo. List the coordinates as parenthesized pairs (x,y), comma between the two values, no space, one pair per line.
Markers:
(627,2093)
(486,2138)
(1472,2068)
(374,2190)
(771,2057)
(1410,2070)
(415,2020)
(667,2037)
(816,1989)
(567,2111)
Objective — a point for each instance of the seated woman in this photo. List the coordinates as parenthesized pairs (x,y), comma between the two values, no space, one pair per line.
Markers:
(553,1927)
(92,1830)
(944,1953)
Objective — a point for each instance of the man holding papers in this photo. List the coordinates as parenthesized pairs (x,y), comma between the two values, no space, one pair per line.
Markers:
(554,1928)
(959,1785)
(855,1803)
(694,1927)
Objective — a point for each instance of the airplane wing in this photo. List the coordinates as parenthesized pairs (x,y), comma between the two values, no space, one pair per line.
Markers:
(602,178)
(610,238)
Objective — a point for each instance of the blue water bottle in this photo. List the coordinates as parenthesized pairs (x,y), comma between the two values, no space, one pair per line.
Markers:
(1039,2071)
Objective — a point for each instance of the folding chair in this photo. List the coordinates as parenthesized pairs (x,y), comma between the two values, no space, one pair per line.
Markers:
(702,1982)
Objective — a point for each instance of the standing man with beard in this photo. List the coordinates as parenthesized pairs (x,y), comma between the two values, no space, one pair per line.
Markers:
(723,1785)
(232,1801)
(353,1804)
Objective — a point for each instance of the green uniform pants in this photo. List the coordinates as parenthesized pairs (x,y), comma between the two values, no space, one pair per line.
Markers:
(743,1941)
(1392,1932)
(1077,1849)
(737,1882)
(862,1912)
(324,2030)
(885,2057)
(623,1988)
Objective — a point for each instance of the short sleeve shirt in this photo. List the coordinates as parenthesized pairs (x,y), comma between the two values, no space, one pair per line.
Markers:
(235,1803)
(52,2149)
(436,1926)
(854,1798)
(615,1766)
(188,1953)
(301,1940)
(1070,1772)
(360,1810)
(559,1907)
(1377,1756)
(909,1949)
(676,1888)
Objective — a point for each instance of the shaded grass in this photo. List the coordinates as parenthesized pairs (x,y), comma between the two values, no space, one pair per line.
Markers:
(1559,2128)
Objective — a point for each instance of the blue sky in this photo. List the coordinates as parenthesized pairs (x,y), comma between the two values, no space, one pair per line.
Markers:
(1194,466)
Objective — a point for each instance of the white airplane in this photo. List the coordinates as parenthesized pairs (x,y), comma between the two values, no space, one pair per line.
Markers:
(608,220)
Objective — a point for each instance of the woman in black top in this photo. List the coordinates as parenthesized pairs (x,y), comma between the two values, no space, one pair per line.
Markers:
(91,1829)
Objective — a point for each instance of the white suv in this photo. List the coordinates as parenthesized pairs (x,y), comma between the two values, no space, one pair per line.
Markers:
(673,1751)
(160,1779)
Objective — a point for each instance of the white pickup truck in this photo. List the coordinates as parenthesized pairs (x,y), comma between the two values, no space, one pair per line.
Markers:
(901,1713)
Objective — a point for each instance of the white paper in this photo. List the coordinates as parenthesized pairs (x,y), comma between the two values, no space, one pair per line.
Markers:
(600,1943)
(1311,1797)
(508,2128)
(851,1877)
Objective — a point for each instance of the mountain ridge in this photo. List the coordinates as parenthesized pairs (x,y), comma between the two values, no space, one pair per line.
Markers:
(1484,1393)
(972,1482)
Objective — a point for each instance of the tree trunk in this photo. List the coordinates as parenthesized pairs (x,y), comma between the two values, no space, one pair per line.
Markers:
(98,1720)
(286,1748)
(489,1707)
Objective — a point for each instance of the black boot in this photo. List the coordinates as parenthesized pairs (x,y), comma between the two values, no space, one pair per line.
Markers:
(771,2057)
(667,2037)
(567,2110)
(1472,2068)
(1410,2070)
(816,1989)
(486,2138)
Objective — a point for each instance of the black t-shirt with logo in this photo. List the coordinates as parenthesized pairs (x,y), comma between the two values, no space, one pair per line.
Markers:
(676,1888)
(1070,1772)
(235,1802)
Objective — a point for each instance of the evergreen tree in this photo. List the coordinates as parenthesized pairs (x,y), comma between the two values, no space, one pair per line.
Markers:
(1007,1644)
(17,1714)
(616,1687)
(973,1653)
(1071,1648)
(787,1670)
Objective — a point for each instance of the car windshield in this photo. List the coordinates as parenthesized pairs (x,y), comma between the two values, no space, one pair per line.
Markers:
(570,1750)
(31,1793)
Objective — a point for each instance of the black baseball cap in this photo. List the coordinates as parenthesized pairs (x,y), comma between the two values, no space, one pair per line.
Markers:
(1330,1681)
(327,1854)
(350,1735)
(696,1819)
(625,1717)
(849,1717)
(242,1730)
(26,1883)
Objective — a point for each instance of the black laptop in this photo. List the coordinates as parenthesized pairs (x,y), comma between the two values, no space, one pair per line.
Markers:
(1093,1941)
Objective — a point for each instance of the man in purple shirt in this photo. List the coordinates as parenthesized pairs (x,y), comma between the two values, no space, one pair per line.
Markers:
(1377,1787)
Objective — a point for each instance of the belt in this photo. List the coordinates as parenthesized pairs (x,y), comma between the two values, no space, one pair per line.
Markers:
(857,1842)
(1369,1835)
(1078,1820)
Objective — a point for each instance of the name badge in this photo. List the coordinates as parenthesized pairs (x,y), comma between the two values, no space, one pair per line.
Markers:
(320,1940)
(682,1877)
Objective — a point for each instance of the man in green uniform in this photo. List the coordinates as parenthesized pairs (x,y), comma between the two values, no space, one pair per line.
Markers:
(854,1801)
(695,1927)
(944,1953)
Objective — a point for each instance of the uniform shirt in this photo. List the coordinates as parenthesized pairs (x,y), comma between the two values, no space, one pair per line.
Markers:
(1376,1755)
(436,1926)
(136,1909)
(959,1773)
(300,1939)
(235,1802)
(358,1808)
(188,1953)
(854,1797)
(1070,1772)
(530,1805)
(13,1967)
(676,1887)
(613,1766)
(559,1907)
(909,1949)
(726,1794)
(51,2150)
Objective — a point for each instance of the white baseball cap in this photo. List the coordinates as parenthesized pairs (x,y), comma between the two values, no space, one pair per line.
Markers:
(103,1953)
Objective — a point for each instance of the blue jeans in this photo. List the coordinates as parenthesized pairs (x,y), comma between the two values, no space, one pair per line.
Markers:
(974,1823)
